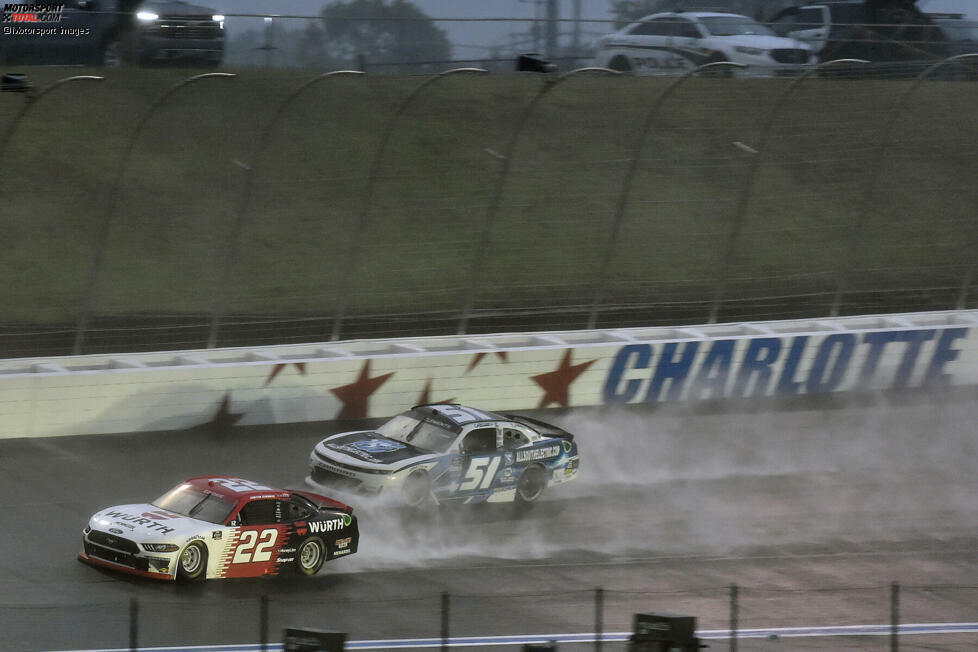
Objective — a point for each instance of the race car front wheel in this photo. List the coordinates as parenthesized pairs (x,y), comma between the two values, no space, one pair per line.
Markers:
(193,562)
(531,485)
(417,489)
(310,556)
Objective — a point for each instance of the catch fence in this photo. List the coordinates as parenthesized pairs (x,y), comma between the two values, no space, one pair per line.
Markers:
(149,211)
(729,617)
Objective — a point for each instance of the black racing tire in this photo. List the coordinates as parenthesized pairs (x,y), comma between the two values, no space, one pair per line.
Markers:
(192,563)
(416,492)
(310,556)
(531,484)
(621,64)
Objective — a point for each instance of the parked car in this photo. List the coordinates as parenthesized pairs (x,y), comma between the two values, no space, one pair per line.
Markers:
(110,32)
(219,526)
(675,42)
(879,32)
(447,453)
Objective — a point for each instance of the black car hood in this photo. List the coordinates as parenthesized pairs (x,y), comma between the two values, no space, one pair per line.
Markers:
(374,448)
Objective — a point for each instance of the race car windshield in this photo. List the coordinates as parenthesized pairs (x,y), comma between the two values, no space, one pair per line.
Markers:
(187,501)
(423,434)
(734,26)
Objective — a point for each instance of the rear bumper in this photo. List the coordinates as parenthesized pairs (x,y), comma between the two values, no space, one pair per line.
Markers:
(95,561)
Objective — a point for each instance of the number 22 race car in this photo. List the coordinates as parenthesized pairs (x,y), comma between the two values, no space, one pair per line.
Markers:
(219,526)
(448,453)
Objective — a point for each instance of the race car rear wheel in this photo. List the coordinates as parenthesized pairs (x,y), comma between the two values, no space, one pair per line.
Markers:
(193,562)
(531,485)
(310,556)
(621,64)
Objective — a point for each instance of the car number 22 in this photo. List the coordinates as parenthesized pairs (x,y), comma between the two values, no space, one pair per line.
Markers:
(255,546)
(480,473)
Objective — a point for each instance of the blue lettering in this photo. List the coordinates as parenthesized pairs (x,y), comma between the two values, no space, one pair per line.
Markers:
(787,385)
(713,385)
(761,353)
(613,393)
(670,368)
(943,354)
(877,342)
(837,348)
(914,340)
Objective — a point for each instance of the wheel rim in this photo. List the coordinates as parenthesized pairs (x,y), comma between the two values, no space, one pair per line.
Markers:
(532,487)
(309,555)
(415,490)
(190,560)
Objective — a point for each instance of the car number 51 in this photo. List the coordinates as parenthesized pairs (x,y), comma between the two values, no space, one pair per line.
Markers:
(480,473)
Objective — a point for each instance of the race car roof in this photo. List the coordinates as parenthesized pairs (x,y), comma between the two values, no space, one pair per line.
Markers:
(459,415)
(236,489)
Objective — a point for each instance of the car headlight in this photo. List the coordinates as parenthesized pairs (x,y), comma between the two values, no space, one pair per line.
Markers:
(218,18)
(88,529)
(743,49)
(146,16)
(160,547)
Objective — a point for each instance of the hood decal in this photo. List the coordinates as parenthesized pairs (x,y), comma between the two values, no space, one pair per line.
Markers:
(374,448)
(146,522)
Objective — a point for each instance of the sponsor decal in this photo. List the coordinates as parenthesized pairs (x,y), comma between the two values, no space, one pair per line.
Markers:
(327,526)
(115,530)
(508,456)
(138,520)
(300,528)
(196,537)
(378,446)
(284,559)
(217,534)
(776,366)
(287,551)
(340,553)
(343,543)
(535,454)
(507,476)
(567,446)
(355,452)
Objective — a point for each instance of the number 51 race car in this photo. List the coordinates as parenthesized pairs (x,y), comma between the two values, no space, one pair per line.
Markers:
(445,452)
(218,526)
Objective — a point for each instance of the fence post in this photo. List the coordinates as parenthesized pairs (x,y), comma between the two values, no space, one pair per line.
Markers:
(133,624)
(349,270)
(598,619)
(444,621)
(894,617)
(113,197)
(626,188)
(231,257)
(263,622)
(856,239)
(743,203)
(481,251)
(734,616)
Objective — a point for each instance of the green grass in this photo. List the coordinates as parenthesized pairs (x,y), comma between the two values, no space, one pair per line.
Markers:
(182,191)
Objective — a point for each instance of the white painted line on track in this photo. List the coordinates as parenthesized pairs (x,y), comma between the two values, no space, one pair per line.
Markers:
(521,639)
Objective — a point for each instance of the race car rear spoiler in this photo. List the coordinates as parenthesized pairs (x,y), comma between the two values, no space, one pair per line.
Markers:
(544,428)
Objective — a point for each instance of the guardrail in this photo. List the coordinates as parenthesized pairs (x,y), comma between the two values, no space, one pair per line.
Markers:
(373,378)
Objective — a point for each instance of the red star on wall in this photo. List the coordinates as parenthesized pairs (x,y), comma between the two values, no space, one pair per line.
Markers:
(425,398)
(477,358)
(356,395)
(277,369)
(556,383)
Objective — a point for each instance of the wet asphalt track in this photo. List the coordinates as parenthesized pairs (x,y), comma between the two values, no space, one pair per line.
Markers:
(812,512)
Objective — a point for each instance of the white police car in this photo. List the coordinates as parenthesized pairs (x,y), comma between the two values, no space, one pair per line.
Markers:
(674,42)
(447,453)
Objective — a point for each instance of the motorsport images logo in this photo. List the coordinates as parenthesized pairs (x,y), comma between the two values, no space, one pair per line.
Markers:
(33,19)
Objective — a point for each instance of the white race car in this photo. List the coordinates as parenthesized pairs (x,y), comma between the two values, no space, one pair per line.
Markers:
(672,43)
(219,526)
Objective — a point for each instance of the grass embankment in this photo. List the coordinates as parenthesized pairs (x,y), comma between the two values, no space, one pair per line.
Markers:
(181,193)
